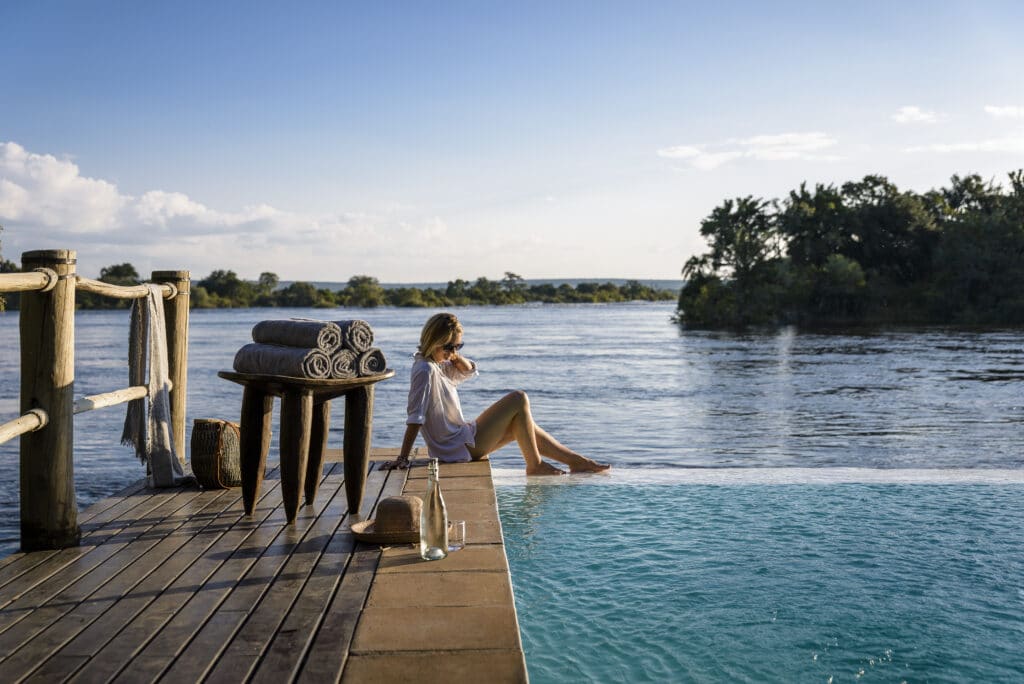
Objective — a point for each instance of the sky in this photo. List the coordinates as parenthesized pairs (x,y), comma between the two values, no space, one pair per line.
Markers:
(428,141)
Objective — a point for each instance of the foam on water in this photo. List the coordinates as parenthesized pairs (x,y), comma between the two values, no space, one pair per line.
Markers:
(512,477)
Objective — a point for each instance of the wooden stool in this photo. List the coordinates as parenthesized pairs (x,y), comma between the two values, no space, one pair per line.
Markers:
(305,418)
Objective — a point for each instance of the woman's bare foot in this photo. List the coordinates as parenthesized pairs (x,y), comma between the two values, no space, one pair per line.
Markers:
(585,465)
(544,468)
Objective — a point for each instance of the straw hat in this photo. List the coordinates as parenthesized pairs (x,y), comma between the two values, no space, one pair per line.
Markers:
(397,522)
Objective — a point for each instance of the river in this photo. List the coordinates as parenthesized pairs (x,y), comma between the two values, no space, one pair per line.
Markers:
(619,382)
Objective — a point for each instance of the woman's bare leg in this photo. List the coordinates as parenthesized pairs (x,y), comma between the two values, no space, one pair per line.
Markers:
(552,448)
(510,416)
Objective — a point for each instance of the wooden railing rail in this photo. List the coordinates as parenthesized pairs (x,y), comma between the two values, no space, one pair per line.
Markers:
(35,419)
(41,280)
(99,287)
(49,515)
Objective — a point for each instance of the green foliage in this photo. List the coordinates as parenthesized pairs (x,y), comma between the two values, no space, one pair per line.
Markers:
(865,252)
(223,289)
(366,291)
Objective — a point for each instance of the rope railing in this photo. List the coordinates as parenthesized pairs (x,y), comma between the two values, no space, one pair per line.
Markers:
(36,419)
(38,280)
(45,279)
(48,284)
(122,291)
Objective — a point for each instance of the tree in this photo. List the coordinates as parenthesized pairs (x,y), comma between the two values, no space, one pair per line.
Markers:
(298,294)
(737,273)
(891,232)
(979,259)
(515,286)
(742,237)
(971,194)
(364,291)
(814,225)
(227,289)
(268,282)
(867,252)
(120,274)
(486,291)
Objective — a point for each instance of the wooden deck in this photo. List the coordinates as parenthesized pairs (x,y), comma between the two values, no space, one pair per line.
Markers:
(181,586)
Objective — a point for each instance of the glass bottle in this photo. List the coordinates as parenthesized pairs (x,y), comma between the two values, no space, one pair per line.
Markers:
(433,518)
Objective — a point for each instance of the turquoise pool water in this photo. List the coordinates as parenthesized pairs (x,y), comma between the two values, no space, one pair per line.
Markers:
(820,580)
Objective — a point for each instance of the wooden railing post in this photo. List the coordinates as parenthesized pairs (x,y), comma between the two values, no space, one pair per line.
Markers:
(49,511)
(176,318)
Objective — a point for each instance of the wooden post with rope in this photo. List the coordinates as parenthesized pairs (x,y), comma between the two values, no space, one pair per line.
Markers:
(49,511)
(176,320)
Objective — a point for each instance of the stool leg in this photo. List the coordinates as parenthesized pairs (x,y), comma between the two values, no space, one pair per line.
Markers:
(317,447)
(358,431)
(296,421)
(254,442)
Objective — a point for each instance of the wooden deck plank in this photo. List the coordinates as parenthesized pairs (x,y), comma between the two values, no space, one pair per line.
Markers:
(104,529)
(105,613)
(182,629)
(141,579)
(205,573)
(263,624)
(202,652)
(328,654)
(184,587)
(290,644)
(51,578)
(93,512)
(86,520)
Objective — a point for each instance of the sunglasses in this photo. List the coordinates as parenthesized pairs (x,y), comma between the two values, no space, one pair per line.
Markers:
(453,347)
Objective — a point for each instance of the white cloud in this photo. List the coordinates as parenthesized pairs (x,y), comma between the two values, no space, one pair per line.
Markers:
(1009,112)
(912,114)
(1012,144)
(777,147)
(46,202)
(39,189)
(680,152)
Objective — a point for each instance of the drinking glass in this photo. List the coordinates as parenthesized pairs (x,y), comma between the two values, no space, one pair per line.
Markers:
(456,535)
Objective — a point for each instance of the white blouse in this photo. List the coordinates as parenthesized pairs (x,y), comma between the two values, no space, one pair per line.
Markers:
(434,405)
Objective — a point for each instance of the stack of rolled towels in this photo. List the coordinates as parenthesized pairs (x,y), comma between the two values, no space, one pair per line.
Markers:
(303,348)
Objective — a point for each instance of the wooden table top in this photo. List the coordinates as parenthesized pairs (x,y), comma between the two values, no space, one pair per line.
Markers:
(278,384)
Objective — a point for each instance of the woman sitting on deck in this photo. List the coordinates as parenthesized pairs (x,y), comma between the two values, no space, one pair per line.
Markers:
(434,407)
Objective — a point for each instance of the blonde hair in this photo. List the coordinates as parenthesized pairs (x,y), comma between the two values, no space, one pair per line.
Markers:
(439,330)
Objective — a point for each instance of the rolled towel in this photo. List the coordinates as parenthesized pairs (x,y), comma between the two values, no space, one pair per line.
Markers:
(294,362)
(343,364)
(297,332)
(356,335)
(371,362)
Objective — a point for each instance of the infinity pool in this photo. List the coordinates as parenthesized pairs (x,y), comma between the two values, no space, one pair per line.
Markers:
(797,580)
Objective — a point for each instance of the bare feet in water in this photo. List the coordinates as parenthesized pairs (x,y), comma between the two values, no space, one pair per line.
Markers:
(544,468)
(586,465)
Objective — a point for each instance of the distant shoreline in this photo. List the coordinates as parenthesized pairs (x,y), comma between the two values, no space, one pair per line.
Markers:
(654,283)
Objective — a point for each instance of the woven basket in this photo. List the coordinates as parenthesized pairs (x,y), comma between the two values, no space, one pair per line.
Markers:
(215,448)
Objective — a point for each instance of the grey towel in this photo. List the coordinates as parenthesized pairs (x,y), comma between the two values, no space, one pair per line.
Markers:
(147,424)
(298,332)
(371,362)
(294,362)
(343,364)
(356,335)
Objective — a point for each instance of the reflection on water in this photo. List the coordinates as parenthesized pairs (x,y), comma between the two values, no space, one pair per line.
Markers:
(621,383)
